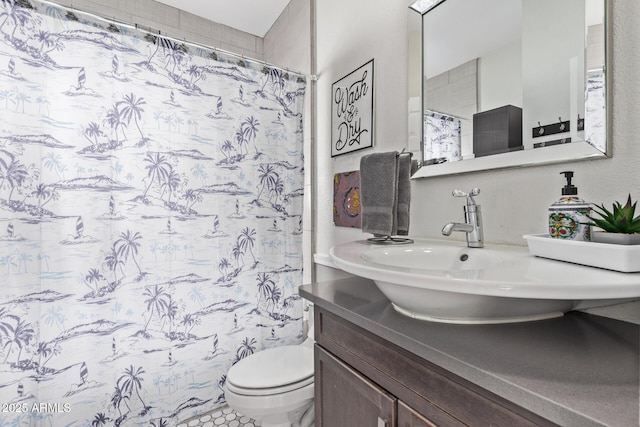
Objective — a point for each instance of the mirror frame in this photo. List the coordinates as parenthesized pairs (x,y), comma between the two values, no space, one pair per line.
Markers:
(574,151)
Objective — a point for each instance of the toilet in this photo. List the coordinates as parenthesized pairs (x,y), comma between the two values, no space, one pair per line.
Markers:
(275,386)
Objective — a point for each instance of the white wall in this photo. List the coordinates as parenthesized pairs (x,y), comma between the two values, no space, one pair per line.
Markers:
(500,77)
(515,201)
(348,34)
(549,91)
(174,23)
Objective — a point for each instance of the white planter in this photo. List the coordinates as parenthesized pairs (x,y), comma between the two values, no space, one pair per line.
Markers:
(615,238)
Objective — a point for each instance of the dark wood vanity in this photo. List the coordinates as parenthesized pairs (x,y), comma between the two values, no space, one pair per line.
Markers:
(362,378)
(375,367)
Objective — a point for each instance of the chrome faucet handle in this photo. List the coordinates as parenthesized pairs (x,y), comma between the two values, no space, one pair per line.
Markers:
(470,201)
(472,226)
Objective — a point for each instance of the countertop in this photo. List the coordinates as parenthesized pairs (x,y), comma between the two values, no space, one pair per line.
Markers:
(577,370)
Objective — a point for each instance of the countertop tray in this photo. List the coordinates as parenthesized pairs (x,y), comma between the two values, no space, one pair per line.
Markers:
(623,258)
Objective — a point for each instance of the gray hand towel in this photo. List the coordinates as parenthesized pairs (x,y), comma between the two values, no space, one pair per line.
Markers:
(378,193)
(404,193)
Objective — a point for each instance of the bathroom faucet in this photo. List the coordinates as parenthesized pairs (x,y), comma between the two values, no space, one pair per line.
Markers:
(473,220)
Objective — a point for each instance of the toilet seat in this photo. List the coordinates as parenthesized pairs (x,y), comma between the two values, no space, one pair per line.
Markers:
(272,371)
(268,391)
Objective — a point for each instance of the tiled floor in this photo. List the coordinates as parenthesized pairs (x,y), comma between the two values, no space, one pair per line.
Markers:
(221,417)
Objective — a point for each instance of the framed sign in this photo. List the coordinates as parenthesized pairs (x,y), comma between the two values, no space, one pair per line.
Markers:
(352,111)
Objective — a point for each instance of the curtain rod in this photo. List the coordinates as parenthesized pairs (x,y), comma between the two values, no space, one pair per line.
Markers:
(154,32)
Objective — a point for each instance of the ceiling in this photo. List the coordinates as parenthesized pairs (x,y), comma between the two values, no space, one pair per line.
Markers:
(251,16)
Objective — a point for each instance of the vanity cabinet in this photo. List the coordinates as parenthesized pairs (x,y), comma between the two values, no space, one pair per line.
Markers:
(347,395)
(362,380)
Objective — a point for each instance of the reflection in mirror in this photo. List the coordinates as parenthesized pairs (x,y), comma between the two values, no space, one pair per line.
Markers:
(505,83)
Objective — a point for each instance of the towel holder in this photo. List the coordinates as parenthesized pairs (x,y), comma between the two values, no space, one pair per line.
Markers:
(384,239)
(389,240)
(551,129)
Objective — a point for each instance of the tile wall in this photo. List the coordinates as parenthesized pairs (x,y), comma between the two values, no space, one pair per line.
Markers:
(174,23)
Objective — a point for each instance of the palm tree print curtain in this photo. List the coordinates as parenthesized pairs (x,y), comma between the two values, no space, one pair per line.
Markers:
(150,220)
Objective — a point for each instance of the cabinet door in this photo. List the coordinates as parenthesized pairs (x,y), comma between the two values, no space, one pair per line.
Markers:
(344,398)
(407,417)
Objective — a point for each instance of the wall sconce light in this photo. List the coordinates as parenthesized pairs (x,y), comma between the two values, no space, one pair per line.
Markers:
(423,6)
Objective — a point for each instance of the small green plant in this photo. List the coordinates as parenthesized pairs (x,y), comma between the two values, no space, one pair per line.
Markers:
(621,220)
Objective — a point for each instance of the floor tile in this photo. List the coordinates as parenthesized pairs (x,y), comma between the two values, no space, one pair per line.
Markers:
(221,417)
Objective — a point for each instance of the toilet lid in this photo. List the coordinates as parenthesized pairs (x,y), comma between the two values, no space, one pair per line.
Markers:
(273,368)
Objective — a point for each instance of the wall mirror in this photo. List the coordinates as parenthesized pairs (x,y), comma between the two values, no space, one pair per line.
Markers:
(506,83)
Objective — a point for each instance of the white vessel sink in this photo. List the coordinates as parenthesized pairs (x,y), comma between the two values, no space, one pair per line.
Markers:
(430,257)
(445,281)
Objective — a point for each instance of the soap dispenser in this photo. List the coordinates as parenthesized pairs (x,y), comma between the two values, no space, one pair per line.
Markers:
(568,216)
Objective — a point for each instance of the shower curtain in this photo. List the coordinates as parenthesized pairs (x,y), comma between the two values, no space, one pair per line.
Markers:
(150,219)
